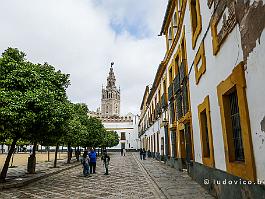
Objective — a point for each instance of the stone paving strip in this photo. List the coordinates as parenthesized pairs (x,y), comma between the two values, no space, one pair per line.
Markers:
(18,176)
(173,183)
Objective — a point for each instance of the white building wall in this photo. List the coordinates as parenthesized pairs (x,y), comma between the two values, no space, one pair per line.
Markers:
(131,132)
(255,79)
(218,68)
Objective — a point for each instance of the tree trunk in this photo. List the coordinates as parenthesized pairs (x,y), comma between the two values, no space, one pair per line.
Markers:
(55,157)
(34,149)
(78,155)
(32,160)
(48,153)
(69,154)
(2,148)
(12,160)
(5,167)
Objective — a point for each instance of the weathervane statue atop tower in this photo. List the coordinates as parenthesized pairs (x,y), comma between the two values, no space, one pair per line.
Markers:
(110,99)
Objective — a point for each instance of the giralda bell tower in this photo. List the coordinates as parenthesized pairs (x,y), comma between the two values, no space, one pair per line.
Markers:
(110,98)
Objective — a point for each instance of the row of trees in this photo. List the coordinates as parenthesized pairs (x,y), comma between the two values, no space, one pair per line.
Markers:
(34,108)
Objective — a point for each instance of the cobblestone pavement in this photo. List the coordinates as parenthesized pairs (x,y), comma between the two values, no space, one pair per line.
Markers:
(128,179)
(173,183)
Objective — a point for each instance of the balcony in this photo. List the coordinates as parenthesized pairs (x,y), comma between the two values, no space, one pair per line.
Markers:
(155,113)
(182,72)
(164,101)
(176,84)
(159,108)
(170,92)
(179,107)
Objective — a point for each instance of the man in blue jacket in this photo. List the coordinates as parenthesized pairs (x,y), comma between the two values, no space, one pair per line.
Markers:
(93,160)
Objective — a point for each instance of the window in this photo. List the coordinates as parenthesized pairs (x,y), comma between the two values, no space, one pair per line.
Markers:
(180,4)
(172,112)
(236,126)
(196,25)
(222,23)
(123,137)
(180,82)
(200,63)
(164,96)
(206,132)
(170,87)
(175,22)
(170,75)
(194,21)
(164,86)
(169,36)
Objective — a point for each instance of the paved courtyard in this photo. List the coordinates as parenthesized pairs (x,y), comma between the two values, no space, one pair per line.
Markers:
(129,178)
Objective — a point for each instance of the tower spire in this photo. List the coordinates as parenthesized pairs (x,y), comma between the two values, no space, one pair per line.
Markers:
(111,78)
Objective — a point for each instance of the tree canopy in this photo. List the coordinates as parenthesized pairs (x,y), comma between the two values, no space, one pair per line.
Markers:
(34,108)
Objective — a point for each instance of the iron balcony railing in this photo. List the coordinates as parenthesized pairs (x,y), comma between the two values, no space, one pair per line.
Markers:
(182,72)
(176,84)
(170,92)
(164,101)
(159,108)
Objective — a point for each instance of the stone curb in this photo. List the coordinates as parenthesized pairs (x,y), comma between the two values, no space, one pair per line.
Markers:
(35,178)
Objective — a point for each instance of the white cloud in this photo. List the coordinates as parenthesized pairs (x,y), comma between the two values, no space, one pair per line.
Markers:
(76,37)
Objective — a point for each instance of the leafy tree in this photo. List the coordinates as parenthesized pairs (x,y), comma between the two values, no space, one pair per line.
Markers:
(75,126)
(32,100)
(96,131)
(112,139)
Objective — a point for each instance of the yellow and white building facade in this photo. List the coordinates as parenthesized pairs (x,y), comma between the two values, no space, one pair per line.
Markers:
(205,110)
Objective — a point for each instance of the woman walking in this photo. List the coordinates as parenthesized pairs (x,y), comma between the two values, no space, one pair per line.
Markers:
(85,162)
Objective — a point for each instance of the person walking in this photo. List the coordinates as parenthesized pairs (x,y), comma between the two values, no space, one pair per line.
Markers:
(77,154)
(121,151)
(106,160)
(93,160)
(85,162)
(124,151)
(144,153)
(141,153)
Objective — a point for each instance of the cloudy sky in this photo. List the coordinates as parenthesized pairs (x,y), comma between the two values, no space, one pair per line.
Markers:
(82,38)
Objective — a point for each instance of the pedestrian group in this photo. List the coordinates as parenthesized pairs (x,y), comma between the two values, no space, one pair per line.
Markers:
(89,162)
